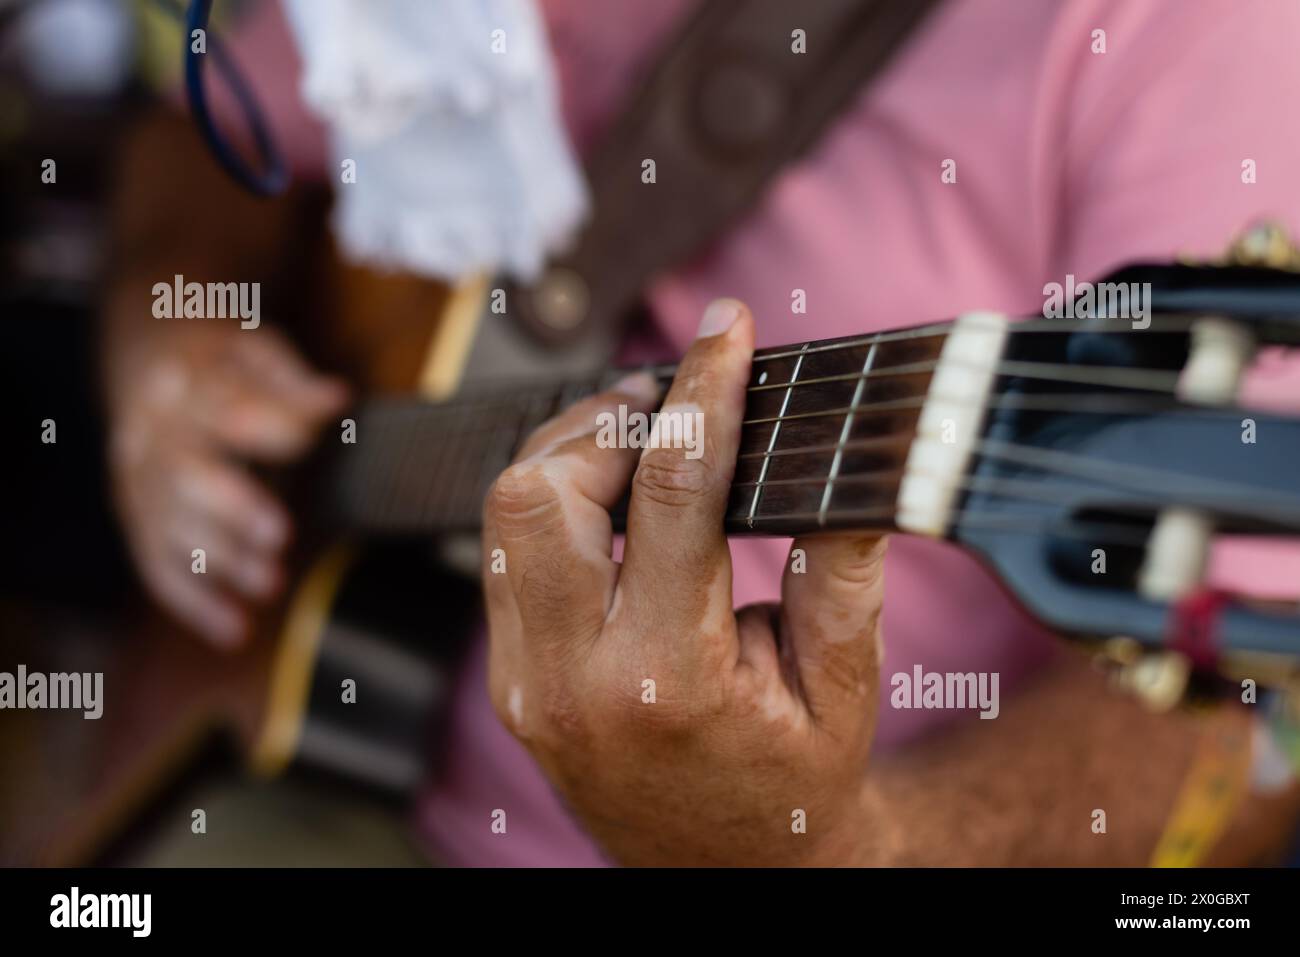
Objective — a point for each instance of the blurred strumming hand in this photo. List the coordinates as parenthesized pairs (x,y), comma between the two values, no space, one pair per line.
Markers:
(188,407)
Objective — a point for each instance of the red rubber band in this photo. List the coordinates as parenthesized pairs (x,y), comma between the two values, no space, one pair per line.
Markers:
(1194,626)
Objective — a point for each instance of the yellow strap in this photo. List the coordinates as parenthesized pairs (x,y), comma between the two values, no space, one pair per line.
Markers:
(1215,785)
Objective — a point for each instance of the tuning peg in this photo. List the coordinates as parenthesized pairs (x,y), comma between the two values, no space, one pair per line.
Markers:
(1219,354)
(1179,545)
(1159,680)
(1265,244)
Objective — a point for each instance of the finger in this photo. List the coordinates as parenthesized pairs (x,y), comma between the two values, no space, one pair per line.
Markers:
(770,665)
(256,423)
(251,572)
(580,418)
(676,567)
(269,359)
(549,516)
(197,604)
(234,499)
(831,624)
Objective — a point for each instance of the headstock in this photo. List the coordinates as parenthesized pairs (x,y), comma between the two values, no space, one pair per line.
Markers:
(1111,455)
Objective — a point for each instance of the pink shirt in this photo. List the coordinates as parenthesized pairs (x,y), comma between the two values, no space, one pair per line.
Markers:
(1067,161)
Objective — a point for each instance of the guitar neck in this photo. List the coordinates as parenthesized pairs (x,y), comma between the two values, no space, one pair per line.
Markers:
(826,432)
(1016,441)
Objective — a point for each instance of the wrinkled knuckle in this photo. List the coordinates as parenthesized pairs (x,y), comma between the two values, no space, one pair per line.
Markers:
(669,477)
(855,575)
(654,705)
(863,567)
(664,718)
(564,718)
(521,500)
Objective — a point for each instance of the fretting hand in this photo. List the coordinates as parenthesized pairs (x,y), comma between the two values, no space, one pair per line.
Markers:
(681,731)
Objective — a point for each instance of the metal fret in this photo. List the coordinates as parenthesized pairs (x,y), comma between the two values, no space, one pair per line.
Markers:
(844,435)
(776,430)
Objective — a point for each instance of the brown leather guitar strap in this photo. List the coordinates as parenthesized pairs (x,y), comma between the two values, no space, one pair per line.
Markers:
(745,87)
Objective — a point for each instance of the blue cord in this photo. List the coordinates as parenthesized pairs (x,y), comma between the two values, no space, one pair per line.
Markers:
(274,177)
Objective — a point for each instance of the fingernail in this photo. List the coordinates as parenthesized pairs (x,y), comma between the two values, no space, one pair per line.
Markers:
(718,318)
(641,385)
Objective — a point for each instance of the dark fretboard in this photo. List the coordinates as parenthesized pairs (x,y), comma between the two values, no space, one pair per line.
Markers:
(826,431)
